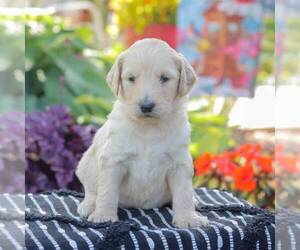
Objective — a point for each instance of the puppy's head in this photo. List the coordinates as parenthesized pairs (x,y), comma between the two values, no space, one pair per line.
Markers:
(149,78)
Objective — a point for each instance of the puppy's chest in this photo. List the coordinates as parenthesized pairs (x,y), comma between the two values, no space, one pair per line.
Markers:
(149,155)
(150,160)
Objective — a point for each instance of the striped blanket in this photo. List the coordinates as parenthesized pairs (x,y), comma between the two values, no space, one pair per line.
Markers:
(53,223)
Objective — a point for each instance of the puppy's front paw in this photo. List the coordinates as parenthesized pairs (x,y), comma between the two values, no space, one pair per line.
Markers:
(85,209)
(193,220)
(100,217)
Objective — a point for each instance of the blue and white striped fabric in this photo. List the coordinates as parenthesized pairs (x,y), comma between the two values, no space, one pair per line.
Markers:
(53,223)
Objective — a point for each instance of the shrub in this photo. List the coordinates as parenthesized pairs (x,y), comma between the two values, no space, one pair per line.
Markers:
(62,64)
(54,145)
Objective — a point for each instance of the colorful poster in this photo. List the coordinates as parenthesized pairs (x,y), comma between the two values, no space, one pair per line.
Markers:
(221,39)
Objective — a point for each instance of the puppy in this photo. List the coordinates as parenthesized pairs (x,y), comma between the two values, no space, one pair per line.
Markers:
(139,157)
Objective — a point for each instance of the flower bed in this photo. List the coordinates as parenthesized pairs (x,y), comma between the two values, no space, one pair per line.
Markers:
(287,161)
(246,171)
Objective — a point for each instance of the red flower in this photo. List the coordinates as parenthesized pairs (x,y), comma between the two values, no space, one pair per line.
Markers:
(224,163)
(202,164)
(244,178)
(265,163)
(230,155)
(249,151)
(288,163)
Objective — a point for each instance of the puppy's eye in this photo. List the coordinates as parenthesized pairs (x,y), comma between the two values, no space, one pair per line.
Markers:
(164,78)
(131,79)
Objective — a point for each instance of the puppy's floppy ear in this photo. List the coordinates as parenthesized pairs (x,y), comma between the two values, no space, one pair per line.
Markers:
(187,77)
(113,78)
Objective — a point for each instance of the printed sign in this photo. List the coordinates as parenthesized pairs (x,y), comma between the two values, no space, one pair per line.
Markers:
(221,39)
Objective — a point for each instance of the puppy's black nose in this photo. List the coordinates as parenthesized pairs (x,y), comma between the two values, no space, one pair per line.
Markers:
(147,107)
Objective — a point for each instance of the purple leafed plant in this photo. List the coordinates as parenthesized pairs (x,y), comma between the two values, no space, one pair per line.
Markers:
(12,149)
(54,145)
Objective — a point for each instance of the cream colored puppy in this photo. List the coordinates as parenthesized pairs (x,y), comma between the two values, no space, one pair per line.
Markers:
(139,157)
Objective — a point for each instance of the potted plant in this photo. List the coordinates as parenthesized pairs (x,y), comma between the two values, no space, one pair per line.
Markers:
(147,18)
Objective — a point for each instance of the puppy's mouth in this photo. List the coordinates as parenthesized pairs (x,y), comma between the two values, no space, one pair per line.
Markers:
(147,115)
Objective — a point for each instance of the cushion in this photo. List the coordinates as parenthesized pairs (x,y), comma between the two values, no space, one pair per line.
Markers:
(53,223)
